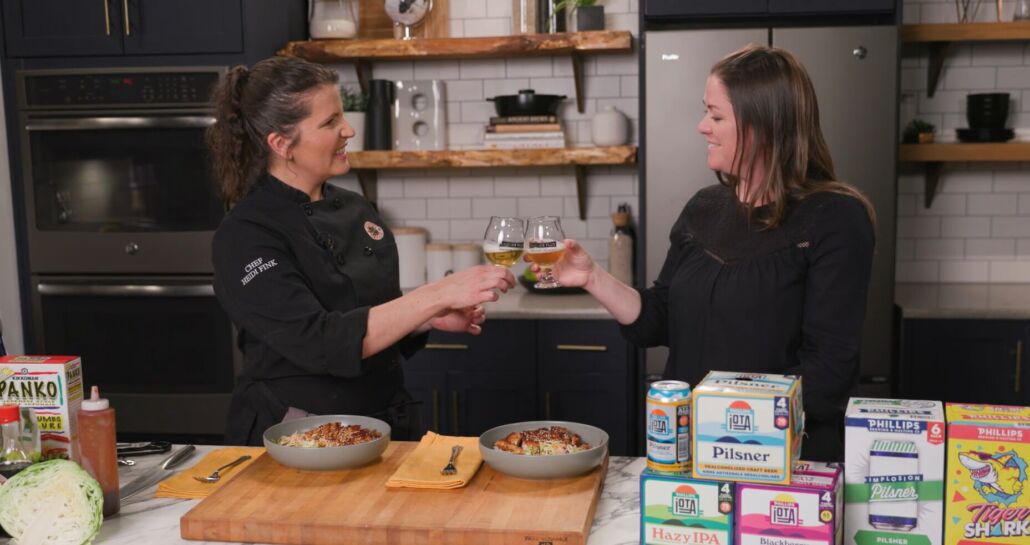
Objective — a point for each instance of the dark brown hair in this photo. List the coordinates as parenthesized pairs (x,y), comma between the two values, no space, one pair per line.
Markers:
(250,105)
(775,105)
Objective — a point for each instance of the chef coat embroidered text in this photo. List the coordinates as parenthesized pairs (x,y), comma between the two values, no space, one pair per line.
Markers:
(256,267)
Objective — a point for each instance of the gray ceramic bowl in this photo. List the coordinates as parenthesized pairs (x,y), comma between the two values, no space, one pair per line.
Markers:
(544,467)
(326,458)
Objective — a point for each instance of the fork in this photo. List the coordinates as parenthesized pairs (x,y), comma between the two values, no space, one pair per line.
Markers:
(449,469)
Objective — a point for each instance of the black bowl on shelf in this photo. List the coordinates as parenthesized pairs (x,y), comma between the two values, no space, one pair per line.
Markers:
(987,110)
(527,102)
(985,135)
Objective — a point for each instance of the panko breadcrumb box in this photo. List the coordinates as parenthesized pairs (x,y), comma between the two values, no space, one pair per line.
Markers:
(52,387)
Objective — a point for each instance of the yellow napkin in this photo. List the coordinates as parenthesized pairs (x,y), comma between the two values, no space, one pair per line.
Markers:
(421,469)
(184,486)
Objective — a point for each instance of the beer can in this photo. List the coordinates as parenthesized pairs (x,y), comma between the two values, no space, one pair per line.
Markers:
(668,426)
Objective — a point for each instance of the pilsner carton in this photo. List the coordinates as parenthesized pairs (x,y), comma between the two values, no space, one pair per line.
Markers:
(893,472)
(987,500)
(747,427)
(52,387)
(678,510)
(805,512)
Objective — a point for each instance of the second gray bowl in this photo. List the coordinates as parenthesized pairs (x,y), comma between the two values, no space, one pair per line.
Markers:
(326,458)
(544,467)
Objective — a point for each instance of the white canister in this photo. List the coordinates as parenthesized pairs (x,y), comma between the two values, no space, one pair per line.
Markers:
(438,261)
(609,127)
(411,255)
(467,255)
(356,120)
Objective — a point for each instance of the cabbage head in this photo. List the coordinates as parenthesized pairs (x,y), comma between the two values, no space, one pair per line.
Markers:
(52,503)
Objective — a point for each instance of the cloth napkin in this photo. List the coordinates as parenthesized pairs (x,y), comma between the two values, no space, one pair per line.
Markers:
(421,469)
(184,486)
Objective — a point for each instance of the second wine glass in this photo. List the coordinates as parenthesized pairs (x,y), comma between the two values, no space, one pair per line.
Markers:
(504,241)
(545,246)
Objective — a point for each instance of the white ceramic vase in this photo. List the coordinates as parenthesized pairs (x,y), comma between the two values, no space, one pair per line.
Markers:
(356,120)
(609,127)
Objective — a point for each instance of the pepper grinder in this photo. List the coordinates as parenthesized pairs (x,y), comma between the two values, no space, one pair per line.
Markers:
(379,127)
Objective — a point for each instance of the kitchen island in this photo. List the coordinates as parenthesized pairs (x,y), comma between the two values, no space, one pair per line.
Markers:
(155,521)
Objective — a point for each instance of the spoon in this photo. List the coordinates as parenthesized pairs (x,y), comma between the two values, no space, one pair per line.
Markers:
(214,477)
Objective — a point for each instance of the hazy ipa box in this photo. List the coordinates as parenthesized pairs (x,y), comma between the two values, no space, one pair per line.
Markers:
(52,387)
(678,510)
(893,472)
(987,500)
(805,512)
(747,427)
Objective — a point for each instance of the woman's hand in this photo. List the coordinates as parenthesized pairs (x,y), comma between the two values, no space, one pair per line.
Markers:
(575,268)
(465,320)
(473,286)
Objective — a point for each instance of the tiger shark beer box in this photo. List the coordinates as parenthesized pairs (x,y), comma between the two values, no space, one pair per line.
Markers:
(893,472)
(52,387)
(678,510)
(747,427)
(807,511)
(987,497)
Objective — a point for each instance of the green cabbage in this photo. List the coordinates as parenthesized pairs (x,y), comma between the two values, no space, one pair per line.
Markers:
(52,503)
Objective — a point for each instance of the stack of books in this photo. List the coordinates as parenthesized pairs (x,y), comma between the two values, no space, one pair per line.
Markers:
(524,132)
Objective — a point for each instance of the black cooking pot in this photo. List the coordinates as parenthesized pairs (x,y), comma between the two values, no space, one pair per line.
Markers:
(527,102)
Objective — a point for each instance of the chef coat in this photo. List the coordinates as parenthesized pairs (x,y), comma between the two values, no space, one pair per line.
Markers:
(297,278)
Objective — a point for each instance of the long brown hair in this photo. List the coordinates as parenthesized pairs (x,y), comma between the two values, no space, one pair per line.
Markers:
(775,106)
(250,105)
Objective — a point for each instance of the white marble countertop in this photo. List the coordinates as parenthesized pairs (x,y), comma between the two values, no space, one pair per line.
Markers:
(964,301)
(520,304)
(155,521)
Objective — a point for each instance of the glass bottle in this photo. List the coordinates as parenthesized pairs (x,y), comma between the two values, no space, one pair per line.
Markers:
(523,16)
(332,19)
(1022,11)
(620,247)
(13,457)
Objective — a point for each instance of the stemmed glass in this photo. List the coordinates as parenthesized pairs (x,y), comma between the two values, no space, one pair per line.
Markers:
(545,247)
(504,240)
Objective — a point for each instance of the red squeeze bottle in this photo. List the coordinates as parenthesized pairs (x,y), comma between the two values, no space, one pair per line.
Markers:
(98,452)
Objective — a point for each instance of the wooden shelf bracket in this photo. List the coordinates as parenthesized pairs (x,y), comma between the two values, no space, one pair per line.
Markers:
(363,67)
(581,190)
(577,76)
(938,53)
(369,180)
(932,172)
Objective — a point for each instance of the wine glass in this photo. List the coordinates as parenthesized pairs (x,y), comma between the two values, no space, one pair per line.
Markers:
(504,241)
(545,246)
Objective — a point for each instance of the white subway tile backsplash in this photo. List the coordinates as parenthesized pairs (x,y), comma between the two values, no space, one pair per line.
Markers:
(498,8)
(1014,76)
(448,208)
(630,86)
(1009,179)
(486,207)
(472,186)
(905,249)
(944,205)
(477,112)
(467,9)
(604,86)
(991,248)
(993,204)
(1014,226)
(916,271)
(1010,271)
(540,206)
(618,64)
(464,90)
(447,71)
(1024,203)
(966,181)
(557,186)
(928,227)
(937,248)
(554,86)
(424,187)
(481,69)
(505,86)
(622,21)
(468,230)
(574,228)
(517,186)
(972,78)
(997,53)
(964,271)
(1023,248)
(963,227)
(394,70)
(943,101)
(402,209)
(529,67)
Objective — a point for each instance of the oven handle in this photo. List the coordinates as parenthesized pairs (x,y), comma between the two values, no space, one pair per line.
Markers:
(127,290)
(102,123)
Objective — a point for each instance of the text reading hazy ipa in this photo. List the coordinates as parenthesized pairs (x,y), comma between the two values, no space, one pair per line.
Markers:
(668,426)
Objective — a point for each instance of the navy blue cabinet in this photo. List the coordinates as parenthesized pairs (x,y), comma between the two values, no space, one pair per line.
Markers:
(819,7)
(974,361)
(66,28)
(519,370)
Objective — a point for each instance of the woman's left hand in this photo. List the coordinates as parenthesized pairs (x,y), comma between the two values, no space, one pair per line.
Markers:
(464,320)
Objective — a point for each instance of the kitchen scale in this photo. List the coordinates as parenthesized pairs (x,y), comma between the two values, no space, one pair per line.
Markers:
(407,15)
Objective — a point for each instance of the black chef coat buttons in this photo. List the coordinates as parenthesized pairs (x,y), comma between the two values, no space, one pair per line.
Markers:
(337,202)
(328,243)
(308,210)
(368,251)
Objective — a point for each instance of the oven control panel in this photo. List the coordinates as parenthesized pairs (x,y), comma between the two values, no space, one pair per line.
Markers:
(119,89)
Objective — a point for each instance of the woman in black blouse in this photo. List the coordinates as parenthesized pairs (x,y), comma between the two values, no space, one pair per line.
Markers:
(767,271)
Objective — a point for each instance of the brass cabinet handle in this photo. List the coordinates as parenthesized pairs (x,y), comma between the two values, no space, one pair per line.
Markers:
(446,346)
(125,11)
(1019,367)
(436,410)
(583,347)
(107,18)
(547,405)
(454,413)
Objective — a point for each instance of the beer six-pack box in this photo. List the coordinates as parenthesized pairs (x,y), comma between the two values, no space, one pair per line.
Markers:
(987,501)
(747,427)
(893,472)
(676,509)
(805,512)
(52,387)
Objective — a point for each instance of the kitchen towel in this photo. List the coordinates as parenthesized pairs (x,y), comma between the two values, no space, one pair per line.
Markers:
(422,467)
(184,486)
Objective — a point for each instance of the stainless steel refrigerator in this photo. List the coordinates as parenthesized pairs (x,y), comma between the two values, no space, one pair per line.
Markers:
(854,70)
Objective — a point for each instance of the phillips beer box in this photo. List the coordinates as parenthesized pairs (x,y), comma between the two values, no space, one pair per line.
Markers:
(678,510)
(987,500)
(747,427)
(807,511)
(52,387)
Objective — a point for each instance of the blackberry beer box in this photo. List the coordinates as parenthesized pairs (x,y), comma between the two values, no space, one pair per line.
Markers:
(893,472)
(805,512)
(678,510)
(747,427)
(52,387)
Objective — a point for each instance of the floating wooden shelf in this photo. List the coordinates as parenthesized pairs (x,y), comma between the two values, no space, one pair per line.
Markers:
(935,155)
(939,37)
(363,52)
(367,163)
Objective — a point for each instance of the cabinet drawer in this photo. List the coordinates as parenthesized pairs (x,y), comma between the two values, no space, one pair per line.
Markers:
(503,344)
(581,346)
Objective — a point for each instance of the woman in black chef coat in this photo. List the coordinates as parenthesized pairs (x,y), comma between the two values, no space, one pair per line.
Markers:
(767,271)
(308,272)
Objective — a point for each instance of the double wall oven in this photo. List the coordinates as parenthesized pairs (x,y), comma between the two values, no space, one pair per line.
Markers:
(120,209)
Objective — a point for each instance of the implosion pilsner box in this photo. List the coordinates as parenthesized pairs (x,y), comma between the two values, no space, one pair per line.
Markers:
(893,472)
(676,509)
(747,427)
(805,512)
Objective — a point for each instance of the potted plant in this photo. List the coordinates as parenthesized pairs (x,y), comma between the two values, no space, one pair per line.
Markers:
(354,105)
(919,131)
(589,16)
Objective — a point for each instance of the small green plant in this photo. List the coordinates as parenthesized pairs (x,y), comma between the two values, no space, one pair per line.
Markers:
(915,128)
(353,101)
(564,4)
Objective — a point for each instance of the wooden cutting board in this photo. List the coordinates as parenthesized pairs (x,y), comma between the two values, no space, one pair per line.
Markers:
(271,503)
